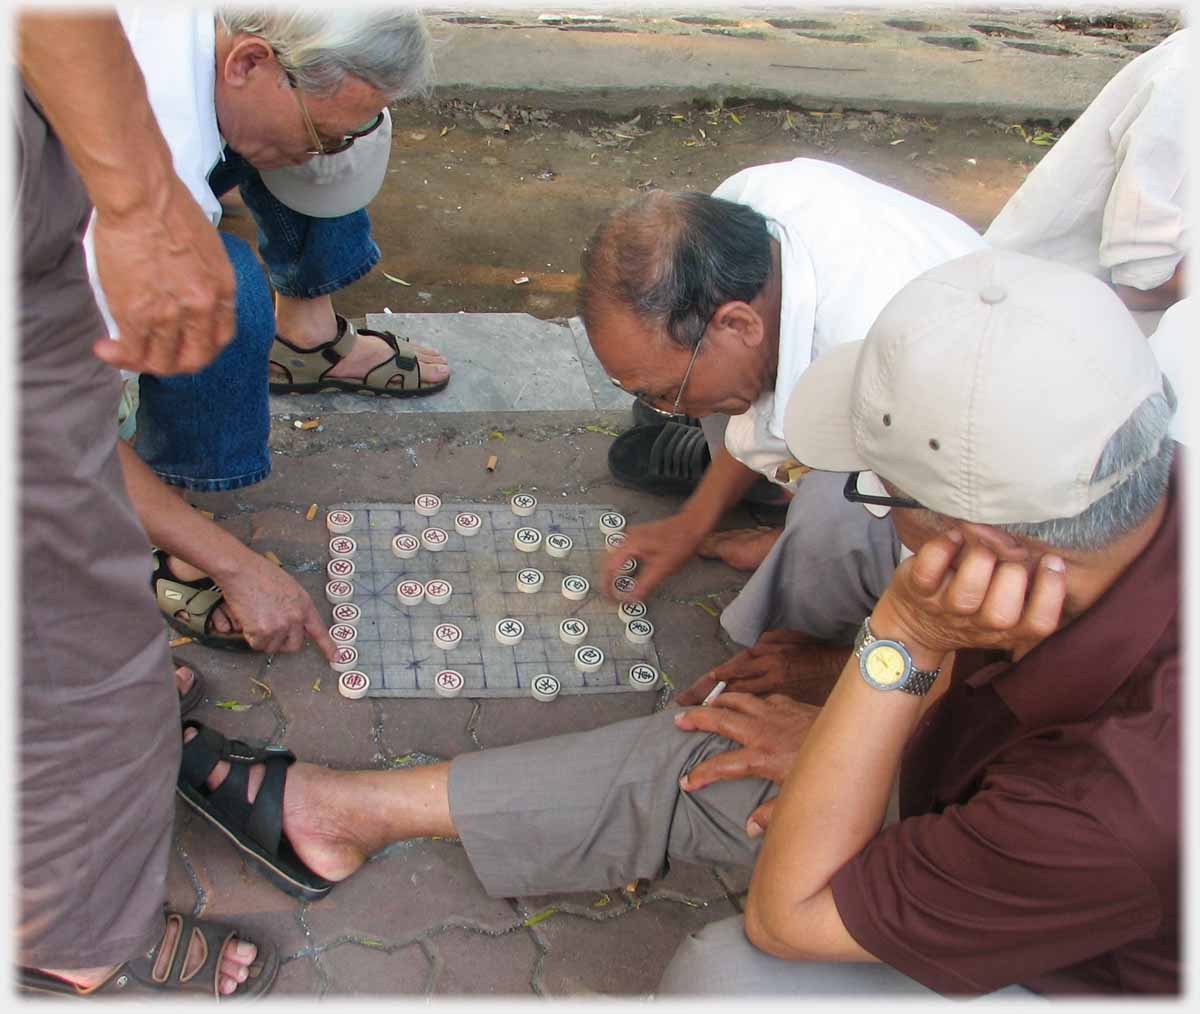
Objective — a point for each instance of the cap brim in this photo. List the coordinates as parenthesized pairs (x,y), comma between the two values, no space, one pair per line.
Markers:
(817,422)
(313,190)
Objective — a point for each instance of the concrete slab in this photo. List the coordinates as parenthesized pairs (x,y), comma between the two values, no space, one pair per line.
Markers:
(604,392)
(502,362)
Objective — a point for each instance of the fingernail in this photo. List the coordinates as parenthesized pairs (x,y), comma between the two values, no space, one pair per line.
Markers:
(754,829)
(1054,563)
(244,949)
(955,536)
(683,783)
(678,718)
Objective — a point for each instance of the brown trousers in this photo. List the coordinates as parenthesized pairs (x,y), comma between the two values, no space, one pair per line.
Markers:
(99,715)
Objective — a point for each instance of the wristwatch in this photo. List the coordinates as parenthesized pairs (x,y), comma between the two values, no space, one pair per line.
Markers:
(887,665)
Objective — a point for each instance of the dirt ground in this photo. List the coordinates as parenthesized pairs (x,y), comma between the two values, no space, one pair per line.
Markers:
(477,197)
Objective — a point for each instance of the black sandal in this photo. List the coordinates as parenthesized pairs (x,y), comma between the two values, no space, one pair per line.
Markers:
(161,973)
(669,458)
(255,830)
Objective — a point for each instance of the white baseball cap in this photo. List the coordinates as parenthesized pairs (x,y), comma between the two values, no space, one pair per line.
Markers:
(329,186)
(986,390)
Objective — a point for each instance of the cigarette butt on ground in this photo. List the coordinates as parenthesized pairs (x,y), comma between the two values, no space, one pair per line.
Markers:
(491,463)
(207,514)
(273,558)
(312,513)
(307,424)
(179,642)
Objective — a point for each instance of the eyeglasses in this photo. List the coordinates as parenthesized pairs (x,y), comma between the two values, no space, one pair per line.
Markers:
(329,147)
(649,400)
(867,489)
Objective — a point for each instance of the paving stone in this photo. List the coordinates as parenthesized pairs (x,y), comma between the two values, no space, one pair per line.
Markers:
(518,721)
(605,393)
(298,977)
(474,964)
(414,887)
(357,970)
(621,956)
(430,727)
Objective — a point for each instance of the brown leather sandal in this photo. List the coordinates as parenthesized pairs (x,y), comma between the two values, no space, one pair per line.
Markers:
(307,369)
(164,971)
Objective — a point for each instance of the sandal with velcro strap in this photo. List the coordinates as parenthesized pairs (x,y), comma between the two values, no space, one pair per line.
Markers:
(307,370)
(197,601)
(254,829)
(161,973)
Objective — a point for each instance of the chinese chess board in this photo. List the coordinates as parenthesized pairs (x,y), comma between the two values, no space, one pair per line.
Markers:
(395,642)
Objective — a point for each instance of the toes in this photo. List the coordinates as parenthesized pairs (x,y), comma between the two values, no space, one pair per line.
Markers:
(184,678)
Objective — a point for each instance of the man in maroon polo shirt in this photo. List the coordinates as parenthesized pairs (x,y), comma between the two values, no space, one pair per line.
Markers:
(1017,425)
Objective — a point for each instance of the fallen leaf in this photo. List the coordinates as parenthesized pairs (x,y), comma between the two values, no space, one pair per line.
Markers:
(273,558)
(736,119)
(592,428)
(398,281)
(446,130)
(497,435)
(233,706)
(542,916)
(316,686)
(371,942)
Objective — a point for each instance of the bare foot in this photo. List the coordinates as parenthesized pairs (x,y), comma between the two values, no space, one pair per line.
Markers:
(221,620)
(236,960)
(741,548)
(184,678)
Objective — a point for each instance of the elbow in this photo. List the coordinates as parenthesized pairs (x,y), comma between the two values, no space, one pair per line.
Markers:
(771,932)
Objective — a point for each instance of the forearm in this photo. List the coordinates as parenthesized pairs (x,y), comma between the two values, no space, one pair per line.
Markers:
(174,526)
(832,803)
(83,74)
(725,481)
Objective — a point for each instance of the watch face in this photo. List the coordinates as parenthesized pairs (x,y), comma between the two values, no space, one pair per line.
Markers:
(885,665)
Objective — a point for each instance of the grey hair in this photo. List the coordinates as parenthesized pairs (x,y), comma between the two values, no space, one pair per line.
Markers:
(1143,437)
(674,258)
(388,49)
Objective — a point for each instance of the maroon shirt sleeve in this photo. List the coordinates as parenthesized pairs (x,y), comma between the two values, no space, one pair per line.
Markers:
(1000,890)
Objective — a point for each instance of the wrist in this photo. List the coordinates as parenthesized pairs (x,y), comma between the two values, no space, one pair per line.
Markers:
(887,624)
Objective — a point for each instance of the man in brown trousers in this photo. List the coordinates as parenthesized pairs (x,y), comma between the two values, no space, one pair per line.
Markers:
(99,740)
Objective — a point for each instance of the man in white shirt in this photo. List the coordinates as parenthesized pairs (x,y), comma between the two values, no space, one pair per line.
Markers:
(715,306)
(291,108)
(1109,197)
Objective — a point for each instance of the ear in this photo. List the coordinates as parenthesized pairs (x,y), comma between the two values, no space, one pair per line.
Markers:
(1008,548)
(249,57)
(737,322)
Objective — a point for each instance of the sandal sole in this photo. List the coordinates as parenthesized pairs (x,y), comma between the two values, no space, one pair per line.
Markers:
(280,878)
(351,388)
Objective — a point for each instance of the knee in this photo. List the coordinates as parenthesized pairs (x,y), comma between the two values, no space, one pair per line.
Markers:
(255,310)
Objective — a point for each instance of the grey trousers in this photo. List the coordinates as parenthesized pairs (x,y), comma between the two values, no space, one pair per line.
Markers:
(824,574)
(98,720)
(595,810)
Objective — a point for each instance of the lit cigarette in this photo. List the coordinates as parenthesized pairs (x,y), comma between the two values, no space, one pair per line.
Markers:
(713,694)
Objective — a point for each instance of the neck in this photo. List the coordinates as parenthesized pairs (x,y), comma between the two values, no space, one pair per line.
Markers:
(771,301)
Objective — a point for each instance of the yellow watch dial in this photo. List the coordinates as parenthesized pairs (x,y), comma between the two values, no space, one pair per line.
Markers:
(885,665)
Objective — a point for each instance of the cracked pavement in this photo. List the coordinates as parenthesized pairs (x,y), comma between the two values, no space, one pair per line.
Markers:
(415,921)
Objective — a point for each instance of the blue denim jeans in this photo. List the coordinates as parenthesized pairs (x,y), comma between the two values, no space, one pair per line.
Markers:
(208,431)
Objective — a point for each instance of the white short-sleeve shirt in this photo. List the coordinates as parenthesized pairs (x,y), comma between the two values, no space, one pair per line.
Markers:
(847,245)
(1108,198)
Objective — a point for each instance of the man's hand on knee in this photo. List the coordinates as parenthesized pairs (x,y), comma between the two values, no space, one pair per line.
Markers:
(770,732)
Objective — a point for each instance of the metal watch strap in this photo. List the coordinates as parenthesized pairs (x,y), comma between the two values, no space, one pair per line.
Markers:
(920,681)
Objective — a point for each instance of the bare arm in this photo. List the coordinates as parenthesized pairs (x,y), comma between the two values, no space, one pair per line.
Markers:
(275,613)
(662,547)
(168,282)
(1160,298)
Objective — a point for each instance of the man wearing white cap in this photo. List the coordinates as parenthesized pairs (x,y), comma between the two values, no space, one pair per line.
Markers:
(1018,680)
(292,108)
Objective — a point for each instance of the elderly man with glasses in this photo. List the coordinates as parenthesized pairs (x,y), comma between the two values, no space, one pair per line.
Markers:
(290,107)
(714,306)
(988,802)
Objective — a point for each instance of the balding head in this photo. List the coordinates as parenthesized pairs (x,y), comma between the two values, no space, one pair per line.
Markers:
(672,259)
